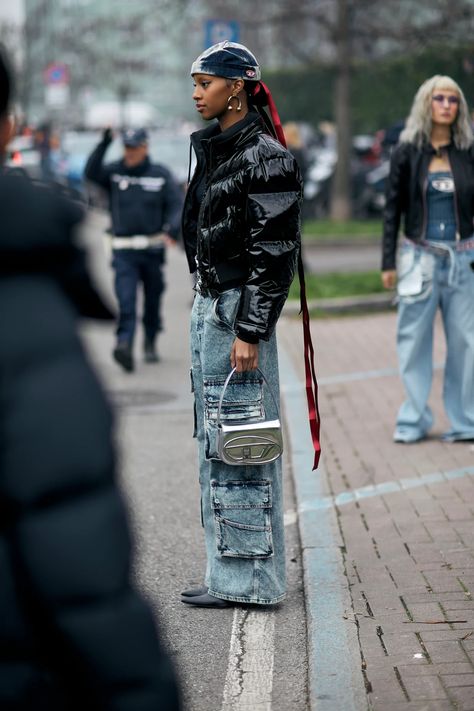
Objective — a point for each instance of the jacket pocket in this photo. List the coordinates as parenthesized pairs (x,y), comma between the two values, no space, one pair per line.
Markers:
(224,309)
(243,400)
(242,513)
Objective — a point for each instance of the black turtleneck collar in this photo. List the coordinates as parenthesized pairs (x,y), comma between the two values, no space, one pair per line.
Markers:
(221,138)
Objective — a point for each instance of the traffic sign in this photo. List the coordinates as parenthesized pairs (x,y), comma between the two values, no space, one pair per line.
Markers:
(57,96)
(221,30)
(56,73)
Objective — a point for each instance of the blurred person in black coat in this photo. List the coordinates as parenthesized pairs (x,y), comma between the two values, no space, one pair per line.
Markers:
(74,634)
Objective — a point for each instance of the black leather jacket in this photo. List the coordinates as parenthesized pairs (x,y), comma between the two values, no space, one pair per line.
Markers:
(406,194)
(241,220)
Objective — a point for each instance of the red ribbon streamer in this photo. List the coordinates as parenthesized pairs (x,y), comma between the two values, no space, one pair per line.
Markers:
(310,372)
(263,97)
(267,100)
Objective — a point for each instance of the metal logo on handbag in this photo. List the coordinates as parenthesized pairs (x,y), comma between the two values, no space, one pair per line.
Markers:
(252,443)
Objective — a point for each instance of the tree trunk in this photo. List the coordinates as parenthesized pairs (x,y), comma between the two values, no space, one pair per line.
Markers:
(341,207)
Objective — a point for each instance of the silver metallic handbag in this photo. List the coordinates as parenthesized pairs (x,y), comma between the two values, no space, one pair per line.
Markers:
(244,443)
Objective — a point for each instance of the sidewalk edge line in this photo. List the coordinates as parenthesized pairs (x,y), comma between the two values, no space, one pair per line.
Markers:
(335,674)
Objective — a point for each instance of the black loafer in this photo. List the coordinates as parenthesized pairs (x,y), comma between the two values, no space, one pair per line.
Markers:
(149,352)
(194,592)
(206,601)
(122,354)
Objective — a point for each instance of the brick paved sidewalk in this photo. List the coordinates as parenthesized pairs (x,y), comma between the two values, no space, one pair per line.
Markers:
(405,514)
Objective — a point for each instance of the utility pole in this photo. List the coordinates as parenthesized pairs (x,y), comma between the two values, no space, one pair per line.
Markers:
(341,194)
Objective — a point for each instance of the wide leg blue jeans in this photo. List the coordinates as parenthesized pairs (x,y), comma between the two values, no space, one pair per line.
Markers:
(446,281)
(242,506)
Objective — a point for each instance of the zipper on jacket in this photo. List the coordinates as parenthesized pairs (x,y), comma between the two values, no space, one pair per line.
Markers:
(191,182)
(425,209)
(456,210)
(210,204)
(200,215)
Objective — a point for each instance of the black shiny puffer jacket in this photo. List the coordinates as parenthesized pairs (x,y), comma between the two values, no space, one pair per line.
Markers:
(74,633)
(406,194)
(241,220)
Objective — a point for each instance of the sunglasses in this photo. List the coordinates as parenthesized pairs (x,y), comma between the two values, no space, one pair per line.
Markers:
(440,98)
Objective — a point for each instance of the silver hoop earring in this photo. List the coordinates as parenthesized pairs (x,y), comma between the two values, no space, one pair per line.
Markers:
(229,104)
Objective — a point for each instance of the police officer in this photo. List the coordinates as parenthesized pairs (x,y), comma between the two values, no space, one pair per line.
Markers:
(145,206)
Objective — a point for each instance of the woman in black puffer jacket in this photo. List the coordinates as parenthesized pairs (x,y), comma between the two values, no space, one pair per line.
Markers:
(241,228)
(74,634)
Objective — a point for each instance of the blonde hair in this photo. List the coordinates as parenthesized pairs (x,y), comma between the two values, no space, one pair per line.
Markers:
(419,123)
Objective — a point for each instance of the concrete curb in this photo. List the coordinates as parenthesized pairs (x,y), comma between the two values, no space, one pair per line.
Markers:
(335,674)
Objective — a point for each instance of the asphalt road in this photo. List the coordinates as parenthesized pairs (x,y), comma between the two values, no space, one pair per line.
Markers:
(158,472)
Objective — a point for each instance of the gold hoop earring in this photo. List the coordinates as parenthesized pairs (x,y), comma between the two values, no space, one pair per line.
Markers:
(229,104)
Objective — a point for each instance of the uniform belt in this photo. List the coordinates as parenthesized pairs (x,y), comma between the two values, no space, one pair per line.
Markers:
(138,241)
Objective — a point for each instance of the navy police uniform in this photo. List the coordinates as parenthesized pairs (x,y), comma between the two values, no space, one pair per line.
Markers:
(144,203)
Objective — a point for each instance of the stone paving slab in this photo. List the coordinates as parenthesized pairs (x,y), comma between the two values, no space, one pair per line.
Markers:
(405,517)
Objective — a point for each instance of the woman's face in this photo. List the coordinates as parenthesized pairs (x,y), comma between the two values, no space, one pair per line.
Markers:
(444,106)
(210,94)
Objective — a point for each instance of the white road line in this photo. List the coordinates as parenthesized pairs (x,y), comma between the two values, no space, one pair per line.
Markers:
(249,680)
(362,375)
(290,517)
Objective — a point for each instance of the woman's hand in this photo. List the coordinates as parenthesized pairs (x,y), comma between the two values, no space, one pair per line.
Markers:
(389,279)
(244,356)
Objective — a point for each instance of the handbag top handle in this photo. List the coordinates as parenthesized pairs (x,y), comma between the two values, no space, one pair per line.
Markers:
(221,399)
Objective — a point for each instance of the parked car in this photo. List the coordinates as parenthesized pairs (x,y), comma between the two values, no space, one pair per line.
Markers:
(374,189)
(170,149)
(173,151)
(22,153)
(373,194)
(76,146)
(369,169)
(322,159)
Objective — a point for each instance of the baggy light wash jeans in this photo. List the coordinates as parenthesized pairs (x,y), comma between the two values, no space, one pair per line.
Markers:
(439,276)
(241,506)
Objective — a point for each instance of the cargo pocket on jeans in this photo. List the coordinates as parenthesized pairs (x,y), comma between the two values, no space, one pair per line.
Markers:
(194,403)
(242,512)
(243,400)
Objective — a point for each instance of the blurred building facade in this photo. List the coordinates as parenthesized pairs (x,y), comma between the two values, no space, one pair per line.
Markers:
(114,50)
(123,52)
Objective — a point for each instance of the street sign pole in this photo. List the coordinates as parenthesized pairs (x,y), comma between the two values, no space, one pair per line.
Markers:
(56,78)
(220,30)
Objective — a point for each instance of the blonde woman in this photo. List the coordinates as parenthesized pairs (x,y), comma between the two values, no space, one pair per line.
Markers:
(431,185)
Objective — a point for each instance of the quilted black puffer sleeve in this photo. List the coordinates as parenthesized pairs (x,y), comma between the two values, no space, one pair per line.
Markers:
(74,631)
(68,533)
(273,243)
